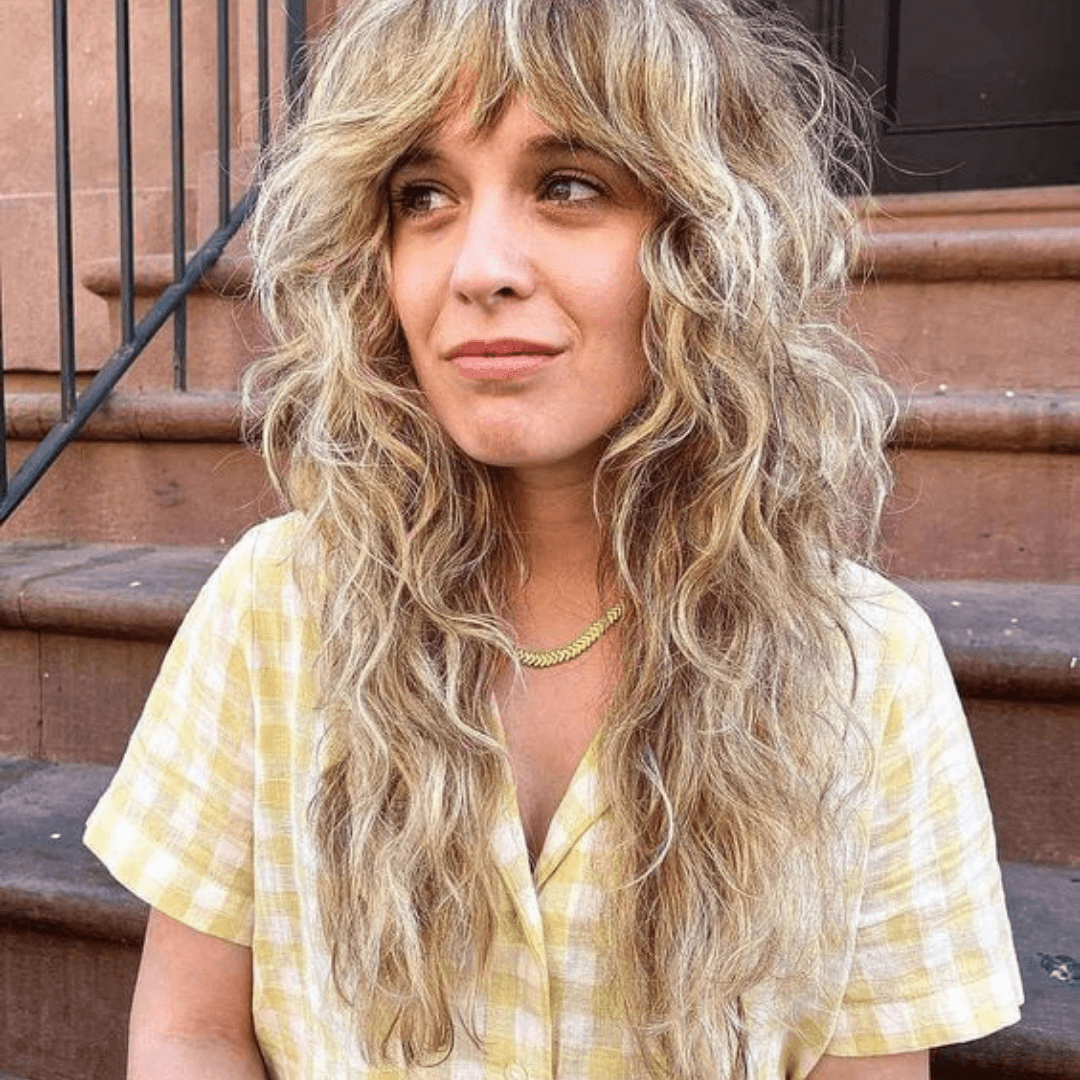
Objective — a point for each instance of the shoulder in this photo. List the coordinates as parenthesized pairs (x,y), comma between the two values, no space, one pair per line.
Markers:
(878,605)
(259,565)
(264,548)
(902,677)
(887,629)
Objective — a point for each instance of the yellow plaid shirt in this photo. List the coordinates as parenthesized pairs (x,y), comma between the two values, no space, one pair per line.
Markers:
(207,821)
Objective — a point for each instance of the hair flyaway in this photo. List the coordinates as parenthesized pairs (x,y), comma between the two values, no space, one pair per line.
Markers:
(729,499)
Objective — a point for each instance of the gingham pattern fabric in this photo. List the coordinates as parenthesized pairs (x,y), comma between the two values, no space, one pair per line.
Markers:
(207,821)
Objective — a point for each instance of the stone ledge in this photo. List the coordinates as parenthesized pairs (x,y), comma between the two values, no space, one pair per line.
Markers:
(48,879)
(151,416)
(229,276)
(985,203)
(113,590)
(996,254)
(998,420)
(1004,421)
(1017,640)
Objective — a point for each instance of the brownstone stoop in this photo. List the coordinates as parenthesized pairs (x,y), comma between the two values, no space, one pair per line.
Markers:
(969,303)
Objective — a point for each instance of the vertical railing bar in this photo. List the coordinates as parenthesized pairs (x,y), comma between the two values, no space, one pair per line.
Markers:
(224,110)
(3,415)
(123,127)
(262,30)
(64,255)
(179,193)
(295,40)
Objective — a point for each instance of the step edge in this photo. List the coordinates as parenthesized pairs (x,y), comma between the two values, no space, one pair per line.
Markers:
(1043,667)
(1013,676)
(999,420)
(230,276)
(54,601)
(1034,252)
(104,914)
(992,420)
(150,416)
(990,201)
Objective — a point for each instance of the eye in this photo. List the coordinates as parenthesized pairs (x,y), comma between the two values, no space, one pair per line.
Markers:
(418,200)
(570,189)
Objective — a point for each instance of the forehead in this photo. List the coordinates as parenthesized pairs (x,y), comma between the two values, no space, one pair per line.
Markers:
(516,127)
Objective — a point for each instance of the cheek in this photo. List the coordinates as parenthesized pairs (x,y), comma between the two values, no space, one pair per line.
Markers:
(411,295)
(614,292)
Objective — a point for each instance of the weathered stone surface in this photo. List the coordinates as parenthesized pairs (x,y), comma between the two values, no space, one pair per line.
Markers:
(1011,639)
(118,590)
(984,514)
(48,881)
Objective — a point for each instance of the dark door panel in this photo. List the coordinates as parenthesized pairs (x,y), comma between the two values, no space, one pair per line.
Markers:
(972,93)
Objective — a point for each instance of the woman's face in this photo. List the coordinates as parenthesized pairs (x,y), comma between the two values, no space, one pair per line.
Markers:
(514,272)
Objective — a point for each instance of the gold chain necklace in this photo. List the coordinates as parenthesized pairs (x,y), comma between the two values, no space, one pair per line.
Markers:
(545,658)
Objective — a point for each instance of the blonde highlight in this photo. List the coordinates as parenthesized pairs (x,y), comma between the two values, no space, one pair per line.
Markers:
(729,499)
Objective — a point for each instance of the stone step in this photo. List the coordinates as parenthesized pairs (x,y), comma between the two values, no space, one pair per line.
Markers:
(224,329)
(973,289)
(163,468)
(987,485)
(70,936)
(1014,648)
(83,629)
(982,479)
(1044,908)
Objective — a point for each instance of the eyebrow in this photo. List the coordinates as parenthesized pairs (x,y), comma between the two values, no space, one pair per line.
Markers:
(539,146)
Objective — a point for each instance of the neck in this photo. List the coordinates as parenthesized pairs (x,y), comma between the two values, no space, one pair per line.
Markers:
(561,537)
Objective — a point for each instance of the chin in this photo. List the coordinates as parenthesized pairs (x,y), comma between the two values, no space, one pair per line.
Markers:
(501,448)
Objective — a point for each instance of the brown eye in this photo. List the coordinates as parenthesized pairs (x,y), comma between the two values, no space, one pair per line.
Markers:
(566,188)
(417,200)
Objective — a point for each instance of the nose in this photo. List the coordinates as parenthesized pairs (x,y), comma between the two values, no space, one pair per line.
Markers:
(492,261)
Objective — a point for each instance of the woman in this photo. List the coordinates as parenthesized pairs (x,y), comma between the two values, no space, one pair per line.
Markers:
(554,285)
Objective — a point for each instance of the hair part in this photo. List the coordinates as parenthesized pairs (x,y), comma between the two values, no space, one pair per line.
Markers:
(729,499)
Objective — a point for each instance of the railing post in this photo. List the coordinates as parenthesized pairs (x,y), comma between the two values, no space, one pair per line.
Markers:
(65,277)
(179,193)
(262,33)
(3,415)
(125,170)
(295,58)
(224,94)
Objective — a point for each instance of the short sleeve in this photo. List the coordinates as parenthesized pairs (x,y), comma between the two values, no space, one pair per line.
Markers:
(175,825)
(933,958)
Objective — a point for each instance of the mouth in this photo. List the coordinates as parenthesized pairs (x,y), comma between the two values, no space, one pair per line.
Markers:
(505,358)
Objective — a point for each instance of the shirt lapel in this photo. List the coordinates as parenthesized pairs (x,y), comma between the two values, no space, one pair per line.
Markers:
(579,809)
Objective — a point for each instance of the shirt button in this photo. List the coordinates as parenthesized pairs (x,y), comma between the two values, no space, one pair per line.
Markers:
(516,1072)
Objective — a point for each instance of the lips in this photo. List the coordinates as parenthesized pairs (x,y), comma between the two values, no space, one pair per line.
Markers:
(505,358)
(502,347)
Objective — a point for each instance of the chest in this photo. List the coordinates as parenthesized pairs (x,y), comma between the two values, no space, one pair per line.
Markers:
(549,718)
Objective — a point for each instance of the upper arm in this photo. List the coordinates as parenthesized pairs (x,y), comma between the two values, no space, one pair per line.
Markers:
(933,962)
(912,1066)
(193,989)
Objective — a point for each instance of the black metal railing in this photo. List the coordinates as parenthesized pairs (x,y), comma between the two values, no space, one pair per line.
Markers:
(76,408)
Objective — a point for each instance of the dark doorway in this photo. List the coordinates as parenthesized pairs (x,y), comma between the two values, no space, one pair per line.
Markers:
(971,93)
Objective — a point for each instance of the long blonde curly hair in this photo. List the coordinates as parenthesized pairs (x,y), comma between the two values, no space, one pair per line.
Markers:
(728,500)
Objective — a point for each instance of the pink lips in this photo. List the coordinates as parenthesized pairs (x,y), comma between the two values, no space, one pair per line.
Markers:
(502,359)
